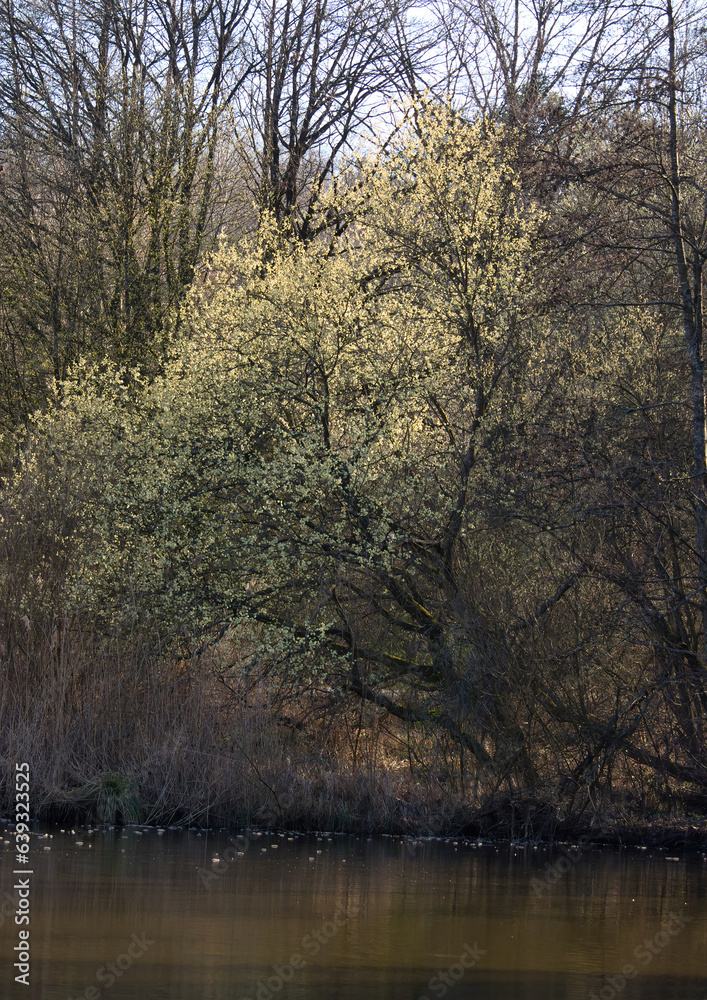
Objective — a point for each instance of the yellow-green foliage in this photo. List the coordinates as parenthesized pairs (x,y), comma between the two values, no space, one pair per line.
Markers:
(446,203)
(312,425)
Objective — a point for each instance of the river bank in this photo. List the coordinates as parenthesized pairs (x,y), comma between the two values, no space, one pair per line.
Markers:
(115,734)
(370,805)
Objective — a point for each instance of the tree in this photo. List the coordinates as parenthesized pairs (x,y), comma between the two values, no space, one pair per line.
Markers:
(513,56)
(304,472)
(608,106)
(110,121)
(637,199)
(327,73)
(377,464)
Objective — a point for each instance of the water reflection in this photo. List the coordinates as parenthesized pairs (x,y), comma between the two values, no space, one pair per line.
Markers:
(128,915)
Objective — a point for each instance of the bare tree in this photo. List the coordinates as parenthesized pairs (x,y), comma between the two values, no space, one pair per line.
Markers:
(511,53)
(544,68)
(328,70)
(110,117)
(632,212)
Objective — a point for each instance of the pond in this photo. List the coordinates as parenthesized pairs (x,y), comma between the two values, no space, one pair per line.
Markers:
(137,914)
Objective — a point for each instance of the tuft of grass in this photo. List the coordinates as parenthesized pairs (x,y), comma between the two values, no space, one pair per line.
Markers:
(109,798)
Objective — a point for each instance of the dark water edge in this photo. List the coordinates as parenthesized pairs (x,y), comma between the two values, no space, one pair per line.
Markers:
(499,820)
(212,915)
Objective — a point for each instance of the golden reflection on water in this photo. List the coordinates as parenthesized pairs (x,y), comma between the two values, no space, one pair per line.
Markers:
(309,918)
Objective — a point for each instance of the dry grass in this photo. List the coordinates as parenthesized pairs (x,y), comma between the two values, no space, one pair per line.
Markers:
(117,732)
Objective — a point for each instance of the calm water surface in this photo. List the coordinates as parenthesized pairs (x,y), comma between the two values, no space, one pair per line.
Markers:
(129,915)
